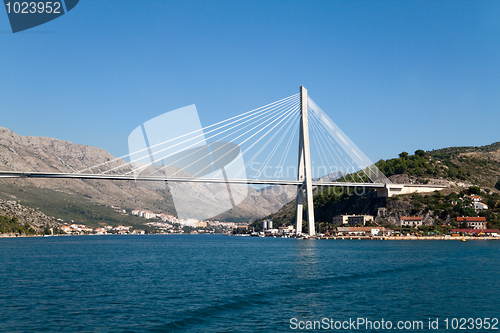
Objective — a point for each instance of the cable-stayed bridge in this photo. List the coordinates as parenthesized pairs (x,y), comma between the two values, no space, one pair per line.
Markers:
(256,148)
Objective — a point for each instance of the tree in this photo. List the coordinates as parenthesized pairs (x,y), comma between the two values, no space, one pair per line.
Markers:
(463,225)
(474,190)
(420,152)
(400,168)
(403,155)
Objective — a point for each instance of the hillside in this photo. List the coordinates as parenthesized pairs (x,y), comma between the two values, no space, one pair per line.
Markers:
(465,170)
(18,219)
(100,202)
(471,165)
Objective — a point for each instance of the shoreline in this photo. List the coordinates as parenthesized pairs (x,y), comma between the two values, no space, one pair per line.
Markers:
(398,238)
(446,238)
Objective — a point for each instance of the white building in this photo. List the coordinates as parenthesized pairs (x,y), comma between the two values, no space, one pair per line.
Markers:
(361,231)
(480,206)
(473,222)
(341,219)
(286,230)
(412,221)
(352,219)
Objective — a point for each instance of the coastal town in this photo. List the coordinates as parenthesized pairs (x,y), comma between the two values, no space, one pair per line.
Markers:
(156,224)
(343,226)
(369,226)
(408,227)
(359,226)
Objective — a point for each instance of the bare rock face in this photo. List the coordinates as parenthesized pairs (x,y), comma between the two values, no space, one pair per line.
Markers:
(29,153)
(38,220)
(394,211)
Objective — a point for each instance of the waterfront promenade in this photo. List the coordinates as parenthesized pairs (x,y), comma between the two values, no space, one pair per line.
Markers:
(459,238)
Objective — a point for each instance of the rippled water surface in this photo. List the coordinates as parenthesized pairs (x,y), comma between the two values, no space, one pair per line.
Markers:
(212,283)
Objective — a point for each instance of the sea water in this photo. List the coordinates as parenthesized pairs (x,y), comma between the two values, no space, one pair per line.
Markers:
(215,283)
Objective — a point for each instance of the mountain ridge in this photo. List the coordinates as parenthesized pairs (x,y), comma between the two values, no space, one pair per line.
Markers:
(78,199)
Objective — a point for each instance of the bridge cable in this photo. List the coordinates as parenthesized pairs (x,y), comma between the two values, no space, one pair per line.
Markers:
(326,135)
(266,144)
(260,123)
(281,163)
(270,156)
(253,144)
(260,109)
(347,160)
(274,113)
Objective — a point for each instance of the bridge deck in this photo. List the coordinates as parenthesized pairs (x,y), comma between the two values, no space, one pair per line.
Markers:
(18,174)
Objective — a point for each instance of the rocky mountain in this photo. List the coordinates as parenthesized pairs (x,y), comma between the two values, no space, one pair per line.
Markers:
(101,201)
(29,217)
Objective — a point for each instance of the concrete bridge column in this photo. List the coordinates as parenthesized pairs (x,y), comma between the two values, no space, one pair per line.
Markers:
(304,172)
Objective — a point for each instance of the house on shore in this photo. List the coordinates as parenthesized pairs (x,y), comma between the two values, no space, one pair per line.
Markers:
(486,232)
(412,221)
(360,231)
(352,219)
(473,222)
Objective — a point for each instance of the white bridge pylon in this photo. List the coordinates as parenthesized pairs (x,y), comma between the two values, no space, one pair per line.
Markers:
(240,151)
(359,163)
(304,168)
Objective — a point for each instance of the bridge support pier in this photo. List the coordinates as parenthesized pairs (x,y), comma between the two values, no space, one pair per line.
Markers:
(304,171)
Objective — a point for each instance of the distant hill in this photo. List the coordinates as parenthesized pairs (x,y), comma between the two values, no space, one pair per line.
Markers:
(100,202)
(474,165)
(494,147)
(465,170)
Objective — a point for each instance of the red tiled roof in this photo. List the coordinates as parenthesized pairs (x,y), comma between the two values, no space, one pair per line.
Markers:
(411,218)
(471,219)
(475,231)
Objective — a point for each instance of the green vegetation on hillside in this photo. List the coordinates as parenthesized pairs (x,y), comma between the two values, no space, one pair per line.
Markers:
(453,205)
(328,202)
(413,164)
(472,164)
(12,226)
(422,165)
(462,150)
(66,207)
(476,165)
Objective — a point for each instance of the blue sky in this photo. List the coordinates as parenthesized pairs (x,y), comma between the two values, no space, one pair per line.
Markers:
(394,75)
